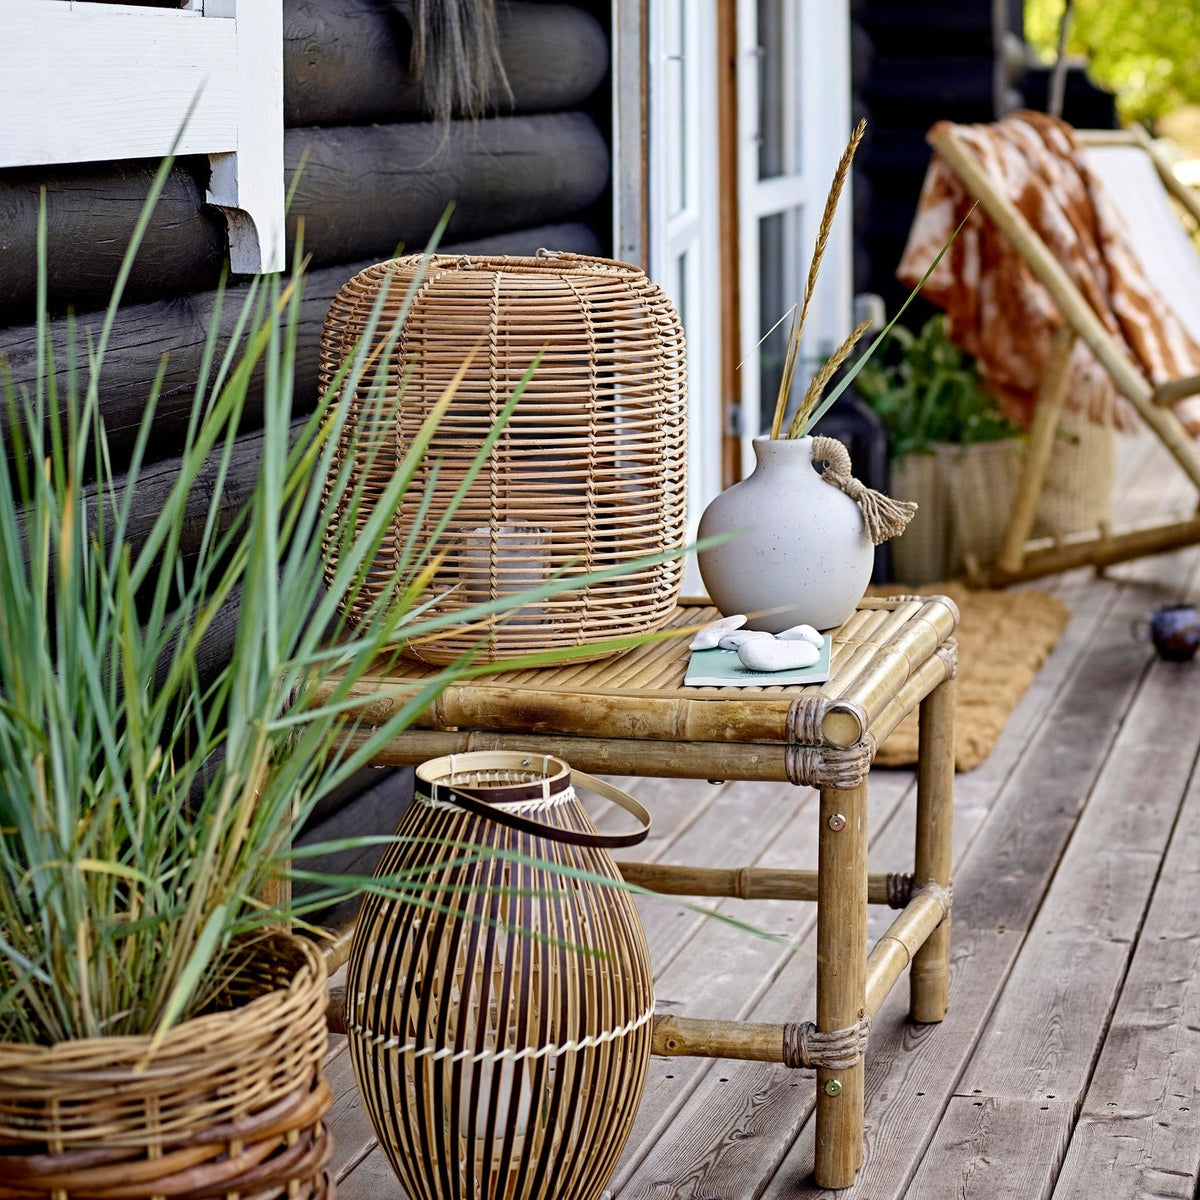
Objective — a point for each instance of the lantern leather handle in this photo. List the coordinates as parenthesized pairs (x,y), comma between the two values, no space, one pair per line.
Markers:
(475,803)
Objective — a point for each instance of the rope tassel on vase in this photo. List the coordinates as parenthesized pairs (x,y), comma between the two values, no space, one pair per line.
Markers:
(884,517)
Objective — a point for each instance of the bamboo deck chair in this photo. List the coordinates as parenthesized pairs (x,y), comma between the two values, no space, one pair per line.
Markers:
(1135,173)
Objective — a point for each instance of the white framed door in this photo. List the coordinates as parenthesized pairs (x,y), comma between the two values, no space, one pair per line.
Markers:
(684,234)
(780,129)
(793,123)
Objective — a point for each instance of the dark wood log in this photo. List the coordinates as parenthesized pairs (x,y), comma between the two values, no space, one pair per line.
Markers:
(924,28)
(908,93)
(364,190)
(91,212)
(346,61)
(574,236)
(143,333)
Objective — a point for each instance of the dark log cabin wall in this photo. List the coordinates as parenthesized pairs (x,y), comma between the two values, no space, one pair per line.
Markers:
(373,174)
(376,177)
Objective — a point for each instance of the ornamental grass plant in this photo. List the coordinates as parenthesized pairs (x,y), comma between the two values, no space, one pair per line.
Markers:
(146,806)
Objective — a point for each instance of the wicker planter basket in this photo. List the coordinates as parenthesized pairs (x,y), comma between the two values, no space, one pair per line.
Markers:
(230,1105)
(590,472)
(500,1022)
(981,484)
(919,554)
(1077,491)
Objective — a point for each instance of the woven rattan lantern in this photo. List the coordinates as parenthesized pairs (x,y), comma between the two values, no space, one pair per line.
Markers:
(590,471)
(500,1022)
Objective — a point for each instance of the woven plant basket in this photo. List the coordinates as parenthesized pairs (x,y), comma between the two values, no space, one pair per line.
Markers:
(919,554)
(980,481)
(500,1023)
(1077,491)
(229,1105)
(589,473)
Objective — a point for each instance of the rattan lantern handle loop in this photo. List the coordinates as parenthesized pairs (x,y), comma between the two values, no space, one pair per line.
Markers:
(475,803)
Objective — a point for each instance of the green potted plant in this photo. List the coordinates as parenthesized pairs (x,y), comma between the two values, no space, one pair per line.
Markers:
(160,1027)
(952,450)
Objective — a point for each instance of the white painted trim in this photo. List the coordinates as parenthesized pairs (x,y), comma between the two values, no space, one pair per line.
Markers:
(86,82)
(684,251)
(629,131)
(247,183)
(817,88)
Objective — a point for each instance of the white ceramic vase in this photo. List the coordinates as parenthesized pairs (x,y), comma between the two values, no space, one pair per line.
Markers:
(799,551)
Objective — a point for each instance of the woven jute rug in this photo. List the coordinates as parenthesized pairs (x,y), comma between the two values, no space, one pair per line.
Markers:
(1003,638)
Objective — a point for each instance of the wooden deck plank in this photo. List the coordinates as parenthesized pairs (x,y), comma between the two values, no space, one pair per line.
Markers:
(1139,1132)
(1057,851)
(353,1137)
(997,892)
(1071,969)
(973,1161)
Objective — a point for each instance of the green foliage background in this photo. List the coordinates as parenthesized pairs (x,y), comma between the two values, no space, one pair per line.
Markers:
(1146,51)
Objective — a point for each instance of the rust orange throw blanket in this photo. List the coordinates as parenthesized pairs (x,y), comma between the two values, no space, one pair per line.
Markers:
(997,310)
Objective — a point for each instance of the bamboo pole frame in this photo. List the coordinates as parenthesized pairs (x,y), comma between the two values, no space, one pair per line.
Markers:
(753,883)
(929,980)
(841,977)
(908,934)
(697,1037)
(1051,398)
(1099,550)
(1020,559)
(892,656)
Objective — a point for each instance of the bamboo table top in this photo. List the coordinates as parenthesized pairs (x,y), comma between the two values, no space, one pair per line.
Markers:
(885,659)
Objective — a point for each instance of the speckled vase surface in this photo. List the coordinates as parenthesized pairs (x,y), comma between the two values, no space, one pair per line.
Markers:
(799,551)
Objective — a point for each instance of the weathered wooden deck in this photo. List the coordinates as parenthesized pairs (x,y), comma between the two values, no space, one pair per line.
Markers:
(1068,1064)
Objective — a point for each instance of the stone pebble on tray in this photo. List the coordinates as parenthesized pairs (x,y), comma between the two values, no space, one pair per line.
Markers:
(802,633)
(734,639)
(772,654)
(708,636)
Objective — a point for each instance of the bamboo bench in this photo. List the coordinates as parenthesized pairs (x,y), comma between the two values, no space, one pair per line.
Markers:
(630,715)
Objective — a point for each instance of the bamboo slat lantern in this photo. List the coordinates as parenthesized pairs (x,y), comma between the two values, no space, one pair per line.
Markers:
(589,472)
(500,1021)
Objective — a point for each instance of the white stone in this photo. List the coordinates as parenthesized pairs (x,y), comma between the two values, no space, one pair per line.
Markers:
(735,638)
(709,635)
(770,654)
(802,633)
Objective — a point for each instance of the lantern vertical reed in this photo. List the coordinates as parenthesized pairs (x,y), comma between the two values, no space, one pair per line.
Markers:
(500,1022)
(588,473)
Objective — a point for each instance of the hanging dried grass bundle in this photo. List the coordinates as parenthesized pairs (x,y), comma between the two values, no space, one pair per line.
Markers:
(456,57)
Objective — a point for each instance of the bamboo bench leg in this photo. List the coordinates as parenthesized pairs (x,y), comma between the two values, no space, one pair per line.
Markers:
(841,977)
(929,977)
